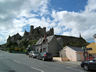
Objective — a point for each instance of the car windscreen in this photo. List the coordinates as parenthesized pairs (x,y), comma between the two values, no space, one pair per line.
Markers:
(49,54)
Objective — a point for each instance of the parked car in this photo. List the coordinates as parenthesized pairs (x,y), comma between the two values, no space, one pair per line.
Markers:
(33,54)
(89,64)
(45,56)
(27,53)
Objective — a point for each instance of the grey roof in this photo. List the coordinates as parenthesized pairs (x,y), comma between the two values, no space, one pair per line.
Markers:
(49,38)
(39,41)
(76,48)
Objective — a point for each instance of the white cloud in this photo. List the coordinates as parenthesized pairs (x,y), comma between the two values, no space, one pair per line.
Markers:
(44,7)
(64,22)
(10,9)
(91,7)
(83,22)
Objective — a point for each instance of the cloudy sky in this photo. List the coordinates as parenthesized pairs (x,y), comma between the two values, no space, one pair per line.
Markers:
(67,17)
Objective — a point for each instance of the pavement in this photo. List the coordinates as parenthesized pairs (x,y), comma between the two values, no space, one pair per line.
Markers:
(71,62)
(10,62)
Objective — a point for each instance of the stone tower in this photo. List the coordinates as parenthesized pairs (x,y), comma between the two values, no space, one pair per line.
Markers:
(44,29)
(50,32)
(31,29)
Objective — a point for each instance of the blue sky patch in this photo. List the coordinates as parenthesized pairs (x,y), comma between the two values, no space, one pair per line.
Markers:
(68,30)
(91,41)
(68,5)
(26,27)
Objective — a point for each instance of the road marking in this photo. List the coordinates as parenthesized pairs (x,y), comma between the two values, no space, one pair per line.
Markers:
(31,66)
(38,69)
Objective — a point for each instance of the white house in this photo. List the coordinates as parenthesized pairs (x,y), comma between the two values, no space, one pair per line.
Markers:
(72,53)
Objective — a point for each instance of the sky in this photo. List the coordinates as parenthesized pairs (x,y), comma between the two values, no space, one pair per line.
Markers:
(67,17)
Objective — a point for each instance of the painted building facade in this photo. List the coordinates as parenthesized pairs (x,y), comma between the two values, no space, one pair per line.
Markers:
(72,53)
(93,51)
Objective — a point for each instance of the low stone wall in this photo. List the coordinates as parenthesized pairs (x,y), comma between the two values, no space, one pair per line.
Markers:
(57,59)
(65,59)
(60,59)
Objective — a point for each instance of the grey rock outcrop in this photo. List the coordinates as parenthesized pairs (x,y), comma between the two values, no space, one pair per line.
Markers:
(38,32)
(29,37)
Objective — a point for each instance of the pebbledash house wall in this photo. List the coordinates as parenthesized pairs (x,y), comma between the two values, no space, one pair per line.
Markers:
(54,47)
(72,55)
(81,58)
(51,46)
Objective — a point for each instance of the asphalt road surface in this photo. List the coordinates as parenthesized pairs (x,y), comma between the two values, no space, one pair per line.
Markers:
(10,62)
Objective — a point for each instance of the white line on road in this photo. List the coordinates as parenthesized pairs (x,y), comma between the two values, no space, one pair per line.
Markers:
(38,69)
(31,67)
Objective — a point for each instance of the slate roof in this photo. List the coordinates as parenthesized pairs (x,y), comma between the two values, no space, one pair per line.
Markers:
(49,38)
(76,48)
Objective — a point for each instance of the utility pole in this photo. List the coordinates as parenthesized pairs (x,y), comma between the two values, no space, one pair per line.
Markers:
(85,53)
(84,49)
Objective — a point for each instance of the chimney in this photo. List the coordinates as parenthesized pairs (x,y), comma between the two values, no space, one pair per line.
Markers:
(94,37)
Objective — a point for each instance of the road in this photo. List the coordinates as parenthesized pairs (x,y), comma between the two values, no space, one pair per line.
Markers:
(10,62)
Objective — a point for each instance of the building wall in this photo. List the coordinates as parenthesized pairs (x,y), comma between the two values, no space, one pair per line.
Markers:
(37,48)
(94,54)
(60,41)
(63,53)
(71,54)
(93,46)
(44,47)
(53,47)
(79,56)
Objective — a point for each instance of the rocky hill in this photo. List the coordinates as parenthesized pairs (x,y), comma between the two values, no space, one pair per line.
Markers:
(29,38)
(18,42)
